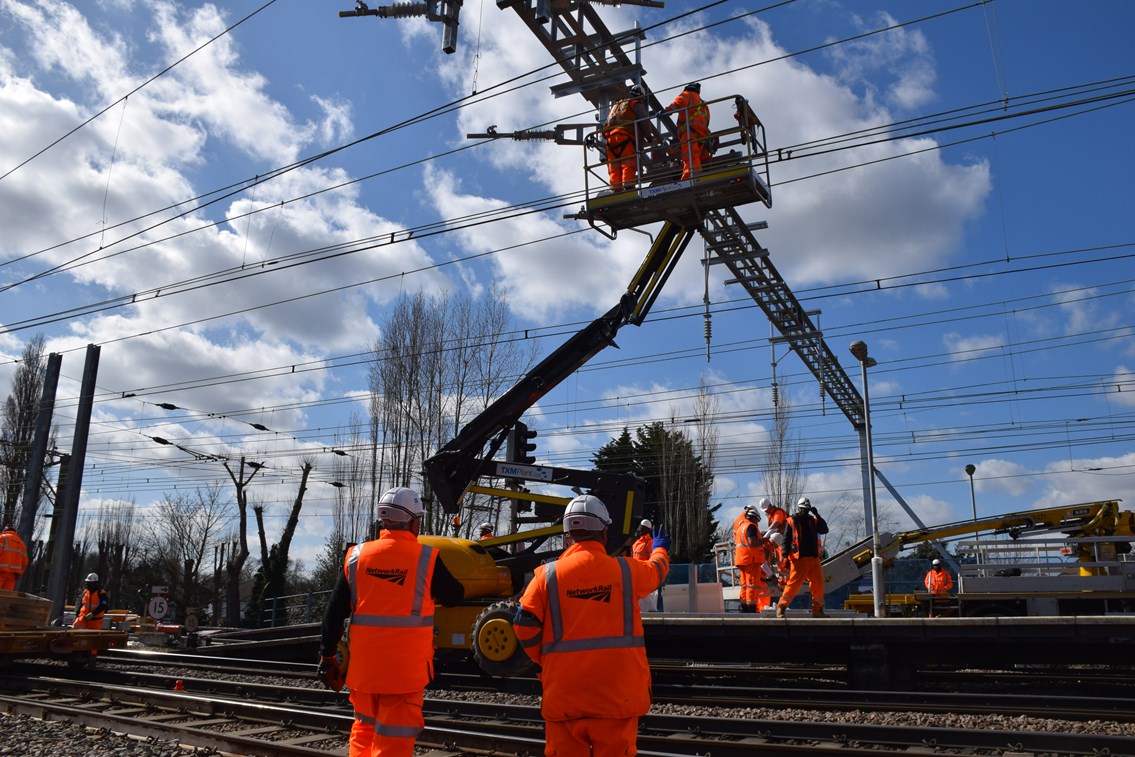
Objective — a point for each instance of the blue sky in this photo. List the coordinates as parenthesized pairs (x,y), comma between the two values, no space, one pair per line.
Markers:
(988,266)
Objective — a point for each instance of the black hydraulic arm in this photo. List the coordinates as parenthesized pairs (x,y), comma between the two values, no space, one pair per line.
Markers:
(450,471)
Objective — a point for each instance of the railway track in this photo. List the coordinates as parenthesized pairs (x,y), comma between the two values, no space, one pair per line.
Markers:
(285,715)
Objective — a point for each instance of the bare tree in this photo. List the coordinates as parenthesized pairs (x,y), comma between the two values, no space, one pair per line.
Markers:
(18,426)
(783,479)
(438,362)
(185,527)
(272,578)
(115,536)
(238,547)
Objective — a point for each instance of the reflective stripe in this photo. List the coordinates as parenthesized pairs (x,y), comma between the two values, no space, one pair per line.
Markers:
(601,642)
(554,610)
(398,731)
(367,719)
(629,602)
(393,621)
(421,586)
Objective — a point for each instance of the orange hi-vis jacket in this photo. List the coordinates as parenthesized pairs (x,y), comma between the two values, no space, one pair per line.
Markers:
(13,553)
(93,606)
(777,520)
(939,581)
(747,542)
(692,112)
(642,548)
(392,614)
(579,620)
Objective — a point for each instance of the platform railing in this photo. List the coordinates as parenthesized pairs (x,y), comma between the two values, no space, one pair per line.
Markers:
(659,158)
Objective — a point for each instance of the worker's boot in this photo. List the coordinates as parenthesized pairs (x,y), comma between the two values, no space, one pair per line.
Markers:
(780,611)
(748,609)
(818,611)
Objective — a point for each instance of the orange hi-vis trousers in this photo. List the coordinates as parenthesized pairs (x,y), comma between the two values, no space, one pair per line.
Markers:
(591,737)
(386,725)
(804,569)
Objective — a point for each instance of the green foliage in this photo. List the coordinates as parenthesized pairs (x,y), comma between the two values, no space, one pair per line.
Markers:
(677,483)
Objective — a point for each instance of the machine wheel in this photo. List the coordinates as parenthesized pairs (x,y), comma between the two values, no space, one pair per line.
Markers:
(495,646)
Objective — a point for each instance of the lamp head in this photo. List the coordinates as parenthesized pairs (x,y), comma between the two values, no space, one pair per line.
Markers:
(970,469)
(859,350)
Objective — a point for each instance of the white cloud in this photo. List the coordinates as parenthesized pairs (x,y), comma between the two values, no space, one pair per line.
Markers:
(963,348)
(995,478)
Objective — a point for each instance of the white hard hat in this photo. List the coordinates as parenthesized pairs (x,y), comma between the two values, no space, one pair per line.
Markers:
(92,578)
(776,537)
(765,503)
(400,505)
(485,527)
(752,513)
(936,562)
(586,513)
(646,523)
(803,503)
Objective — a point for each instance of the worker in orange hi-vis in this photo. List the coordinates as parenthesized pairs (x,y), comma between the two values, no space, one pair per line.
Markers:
(579,620)
(644,544)
(627,127)
(387,587)
(485,531)
(938,580)
(693,127)
(748,556)
(92,608)
(802,545)
(13,557)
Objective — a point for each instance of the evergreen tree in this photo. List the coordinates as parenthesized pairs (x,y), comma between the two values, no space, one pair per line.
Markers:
(677,484)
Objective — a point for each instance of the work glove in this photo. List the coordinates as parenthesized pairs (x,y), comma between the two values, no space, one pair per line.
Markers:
(661,540)
(328,672)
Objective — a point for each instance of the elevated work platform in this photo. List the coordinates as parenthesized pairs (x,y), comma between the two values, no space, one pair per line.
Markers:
(734,170)
(683,202)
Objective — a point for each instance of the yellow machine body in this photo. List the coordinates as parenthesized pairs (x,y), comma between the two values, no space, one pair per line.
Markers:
(472,565)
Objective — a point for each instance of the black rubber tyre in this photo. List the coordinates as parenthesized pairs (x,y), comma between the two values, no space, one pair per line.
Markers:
(495,646)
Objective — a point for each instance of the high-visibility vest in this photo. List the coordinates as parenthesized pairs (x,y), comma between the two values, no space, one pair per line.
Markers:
(777,520)
(93,606)
(746,548)
(391,637)
(642,548)
(580,621)
(939,581)
(621,115)
(692,112)
(13,553)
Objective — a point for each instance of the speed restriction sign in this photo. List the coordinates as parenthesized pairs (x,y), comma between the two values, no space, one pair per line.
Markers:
(157,608)
(191,623)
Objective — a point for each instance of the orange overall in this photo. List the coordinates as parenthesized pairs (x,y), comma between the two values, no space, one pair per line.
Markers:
(622,148)
(748,555)
(579,620)
(13,558)
(939,580)
(642,547)
(91,610)
(803,549)
(391,642)
(693,129)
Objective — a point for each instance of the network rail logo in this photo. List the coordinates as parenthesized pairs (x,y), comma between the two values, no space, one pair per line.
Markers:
(393,575)
(594,593)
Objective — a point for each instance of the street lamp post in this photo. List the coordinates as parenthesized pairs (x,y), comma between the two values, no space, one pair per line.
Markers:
(970,470)
(859,351)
